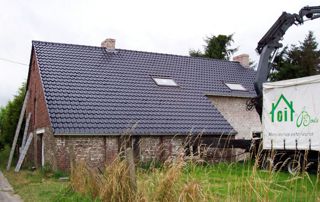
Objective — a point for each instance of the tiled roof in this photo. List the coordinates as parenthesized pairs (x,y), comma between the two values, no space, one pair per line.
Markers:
(90,90)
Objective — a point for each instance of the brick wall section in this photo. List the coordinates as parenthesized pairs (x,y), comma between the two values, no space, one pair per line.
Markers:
(160,148)
(234,111)
(97,151)
(90,149)
(36,103)
(176,145)
(50,148)
(149,147)
(112,148)
(39,114)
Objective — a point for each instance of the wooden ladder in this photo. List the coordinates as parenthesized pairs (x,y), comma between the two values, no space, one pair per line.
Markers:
(15,139)
(23,153)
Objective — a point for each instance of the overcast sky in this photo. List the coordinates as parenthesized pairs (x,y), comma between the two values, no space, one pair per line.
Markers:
(165,26)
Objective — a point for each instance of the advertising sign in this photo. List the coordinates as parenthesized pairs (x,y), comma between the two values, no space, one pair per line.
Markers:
(291,113)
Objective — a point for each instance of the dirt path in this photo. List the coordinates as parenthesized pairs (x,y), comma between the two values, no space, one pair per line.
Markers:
(6,191)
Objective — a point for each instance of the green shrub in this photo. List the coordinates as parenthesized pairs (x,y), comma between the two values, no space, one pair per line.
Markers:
(4,155)
(59,173)
(46,171)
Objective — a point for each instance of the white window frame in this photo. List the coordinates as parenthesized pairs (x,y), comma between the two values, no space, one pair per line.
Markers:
(164,81)
(236,86)
(40,132)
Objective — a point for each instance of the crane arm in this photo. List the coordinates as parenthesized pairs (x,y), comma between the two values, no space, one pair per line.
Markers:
(270,43)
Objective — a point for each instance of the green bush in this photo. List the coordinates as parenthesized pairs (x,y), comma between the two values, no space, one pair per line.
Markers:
(46,171)
(4,155)
(59,173)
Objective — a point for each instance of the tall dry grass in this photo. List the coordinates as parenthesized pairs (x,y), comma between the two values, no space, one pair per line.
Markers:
(166,188)
(84,180)
(189,182)
(114,184)
(192,191)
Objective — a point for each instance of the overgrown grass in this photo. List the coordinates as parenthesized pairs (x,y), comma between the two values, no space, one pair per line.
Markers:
(176,182)
(40,185)
(242,182)
(34,186)
(191,182)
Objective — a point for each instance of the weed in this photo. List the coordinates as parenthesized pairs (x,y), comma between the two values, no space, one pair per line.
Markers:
(166,190)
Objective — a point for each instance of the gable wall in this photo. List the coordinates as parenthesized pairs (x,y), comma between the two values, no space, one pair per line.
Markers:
(36,103)
(39,113)
(234,111)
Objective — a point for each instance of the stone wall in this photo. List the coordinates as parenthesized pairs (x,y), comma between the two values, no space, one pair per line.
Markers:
(112,148)
(160,148)
(97,151)
(100,150)
(91,149)
(149,148)
(61,151)
(234,111)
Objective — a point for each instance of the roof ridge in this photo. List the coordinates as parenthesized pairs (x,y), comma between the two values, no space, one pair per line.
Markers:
(139,51)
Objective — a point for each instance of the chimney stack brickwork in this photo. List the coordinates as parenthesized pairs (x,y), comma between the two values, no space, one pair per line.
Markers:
(109,43)
(243,59)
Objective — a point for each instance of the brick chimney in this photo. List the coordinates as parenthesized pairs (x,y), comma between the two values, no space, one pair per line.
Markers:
(243,59)
(109,44)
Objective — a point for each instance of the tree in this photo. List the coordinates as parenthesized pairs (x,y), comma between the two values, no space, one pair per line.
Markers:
(217,47)
(9,116)
(298,61)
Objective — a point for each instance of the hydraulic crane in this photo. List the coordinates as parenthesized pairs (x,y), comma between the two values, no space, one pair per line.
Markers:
(270,43)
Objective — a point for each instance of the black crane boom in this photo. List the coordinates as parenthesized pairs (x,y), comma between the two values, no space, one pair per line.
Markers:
(270,43)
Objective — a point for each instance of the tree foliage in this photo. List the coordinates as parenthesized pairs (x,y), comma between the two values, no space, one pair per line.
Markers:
(217,47)
(9,116)
(298,61)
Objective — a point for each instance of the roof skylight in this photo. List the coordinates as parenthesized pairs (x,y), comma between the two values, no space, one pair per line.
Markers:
(235,86)
(165,82)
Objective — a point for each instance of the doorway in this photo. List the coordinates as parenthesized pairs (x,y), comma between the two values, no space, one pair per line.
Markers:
(40,150)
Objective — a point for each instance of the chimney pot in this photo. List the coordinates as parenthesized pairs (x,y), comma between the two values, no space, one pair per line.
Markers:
(243,59)
(109,43)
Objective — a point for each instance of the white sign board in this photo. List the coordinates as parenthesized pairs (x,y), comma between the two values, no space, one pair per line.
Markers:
(291,114)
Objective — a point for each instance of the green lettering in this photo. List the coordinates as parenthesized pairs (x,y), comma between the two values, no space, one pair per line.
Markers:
(285,114)
(279,116)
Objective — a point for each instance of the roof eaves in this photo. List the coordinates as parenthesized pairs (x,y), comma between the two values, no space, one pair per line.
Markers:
(232,132)
(222,94)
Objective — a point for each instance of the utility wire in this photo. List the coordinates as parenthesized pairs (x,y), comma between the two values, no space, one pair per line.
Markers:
(14,62)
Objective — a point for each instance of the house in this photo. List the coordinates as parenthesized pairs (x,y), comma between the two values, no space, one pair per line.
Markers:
(83,98)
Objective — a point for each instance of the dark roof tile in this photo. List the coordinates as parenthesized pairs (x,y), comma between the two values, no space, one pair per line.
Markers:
(92,91)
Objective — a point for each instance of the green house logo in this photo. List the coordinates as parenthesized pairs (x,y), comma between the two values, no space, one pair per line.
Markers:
(282,114)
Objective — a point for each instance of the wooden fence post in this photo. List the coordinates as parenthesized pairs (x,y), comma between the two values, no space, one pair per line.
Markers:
(131,167)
